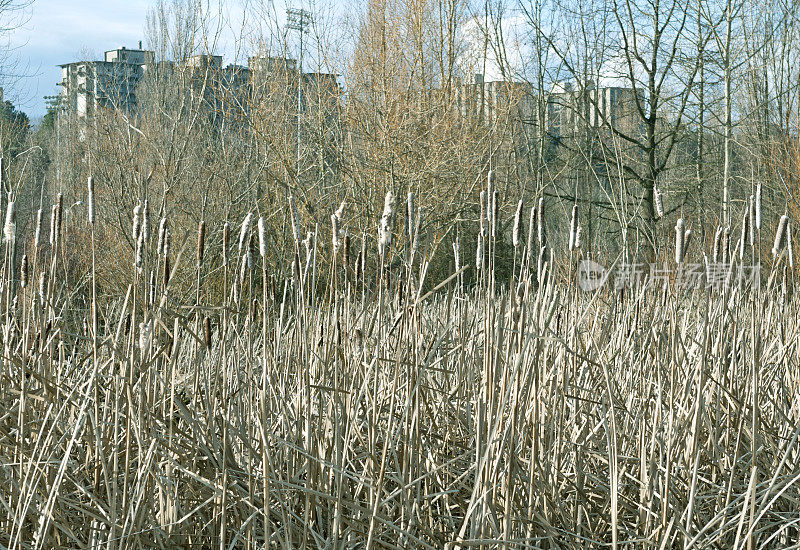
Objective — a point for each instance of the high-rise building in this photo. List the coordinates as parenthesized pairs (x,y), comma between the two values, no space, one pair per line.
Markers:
(89,85)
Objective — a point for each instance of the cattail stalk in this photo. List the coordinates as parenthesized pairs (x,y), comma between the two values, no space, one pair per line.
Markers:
(385,230)
(226,230)
(758,207)
(37,236)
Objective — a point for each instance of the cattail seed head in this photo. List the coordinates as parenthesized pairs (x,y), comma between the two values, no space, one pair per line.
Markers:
(346,250)
(680,236)
(207,332)
(201,242)
(139,252)
(137,221)
(23,272)
(484,208)
(726,245)
(340,211)
(752,224)
(146,220)
(541,267)
(152,296)
(531,230)
(494,214)
(658,202)
(744,238)
(53,215)
(42,287)
(687,238)
(789,250)
(162,230)
(10,227)
(262,237)
(540,222)
(226,230)
(717,251)
(244,233)
(335,233)
(167,239)
(308,243)
(578,234)
(457,252)
(758,207)
(90,185)
(37,235)
(479,253)
(489,196)
(59,216)
(573,231)
(385,230)
(780,235)
(517,225)
(145,333)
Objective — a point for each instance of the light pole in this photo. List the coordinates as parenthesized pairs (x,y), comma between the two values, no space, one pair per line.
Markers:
(298,20)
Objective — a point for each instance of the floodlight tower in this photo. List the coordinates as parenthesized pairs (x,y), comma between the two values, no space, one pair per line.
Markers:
(298,19)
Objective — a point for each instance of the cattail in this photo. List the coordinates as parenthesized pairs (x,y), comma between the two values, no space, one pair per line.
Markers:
(680,236)
(139,252)
(658,202)
(153,287)
(137,221)
(59,215)
(542,265)
(687,238)
(162,229)
(531,229)
(346,250)
(479,253)
(244,234)
(37,235)
(716,255)
(573,231)
(145,332)
(207,332)
(415,239)
(262,237)
(167,239)
(201,242)
(165,276)
(758,207)
(410,217)
(489,195)
(578,237)
(245,267)
(146,220)
(308,243)
(10,227)
(744,238)
(540,222)
(517,225)
(296,231)
(780,235)
(335,233)
(726,246)
(457,252)
(340,211)
(484,205)
(23,272)
(90,185)
(53,215)
(789,250)
(385,231)
(494,214)
(42,288)
(752,225)
(226,230)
